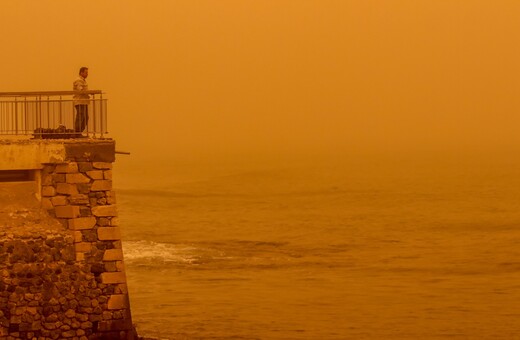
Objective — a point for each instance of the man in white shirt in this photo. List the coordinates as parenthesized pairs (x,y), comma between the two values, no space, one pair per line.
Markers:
(81,100)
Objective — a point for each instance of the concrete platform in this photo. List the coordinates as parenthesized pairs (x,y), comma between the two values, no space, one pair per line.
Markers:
(31,154)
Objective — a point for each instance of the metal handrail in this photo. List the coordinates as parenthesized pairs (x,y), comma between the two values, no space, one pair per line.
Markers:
(51,114)
(48,93)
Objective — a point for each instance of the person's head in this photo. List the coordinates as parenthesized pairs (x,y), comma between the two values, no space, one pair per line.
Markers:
(83,71)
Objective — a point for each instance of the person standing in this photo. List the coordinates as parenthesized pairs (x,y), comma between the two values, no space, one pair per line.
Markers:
(81,100)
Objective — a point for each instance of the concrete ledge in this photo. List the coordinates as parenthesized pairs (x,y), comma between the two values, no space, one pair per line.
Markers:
(93,151)
(31,154)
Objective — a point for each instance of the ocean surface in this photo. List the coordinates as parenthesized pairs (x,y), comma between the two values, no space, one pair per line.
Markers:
(381,248)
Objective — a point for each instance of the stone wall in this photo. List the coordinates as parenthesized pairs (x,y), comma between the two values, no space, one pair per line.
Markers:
(46,294)
(68,283)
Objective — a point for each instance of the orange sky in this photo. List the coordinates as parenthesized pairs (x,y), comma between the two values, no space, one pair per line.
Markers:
(242,77)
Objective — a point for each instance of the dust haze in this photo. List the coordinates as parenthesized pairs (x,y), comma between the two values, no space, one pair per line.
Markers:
(277,78)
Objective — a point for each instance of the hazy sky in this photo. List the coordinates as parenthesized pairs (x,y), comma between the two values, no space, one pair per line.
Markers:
(245,77)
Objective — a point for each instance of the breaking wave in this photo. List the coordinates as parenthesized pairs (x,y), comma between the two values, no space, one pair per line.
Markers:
(154,252)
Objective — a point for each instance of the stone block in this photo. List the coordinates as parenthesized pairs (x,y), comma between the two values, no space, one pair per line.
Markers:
(111,197)
(48,191)
(68,254)
(59,200)
(103,222)
(66,189)
(83,188)
(120,266)
(107,174)
(122,288)
(80,257)
(95,174)
(24,327)
(118,301)
(104,211)
(80,199)
(77,178)
(67,211)
(109,233)
(31,310)
(47,203)
(36,325)
(113,277)
(110,266)
(82,223)
(101,185)
(85,211)
(102,165)
(113,255)
(47,179)
(78,236)
(58,178)
(67,168)
(90,235)
(84,166)
(68,334)
(83,247)
(64,221)
(115,325)
(86,325)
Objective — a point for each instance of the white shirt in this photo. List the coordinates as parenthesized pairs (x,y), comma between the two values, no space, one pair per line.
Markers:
(80,84)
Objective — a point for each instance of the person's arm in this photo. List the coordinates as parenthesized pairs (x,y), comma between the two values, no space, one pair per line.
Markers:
(79,85)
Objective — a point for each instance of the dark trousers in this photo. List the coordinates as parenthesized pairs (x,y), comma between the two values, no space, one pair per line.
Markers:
(81,118)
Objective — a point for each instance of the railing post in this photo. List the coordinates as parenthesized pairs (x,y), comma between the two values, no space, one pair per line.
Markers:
(74,113)
(15,115)
(39,110)
(102,115)
(48,113)
(94,115)
(25,114)
(61,115)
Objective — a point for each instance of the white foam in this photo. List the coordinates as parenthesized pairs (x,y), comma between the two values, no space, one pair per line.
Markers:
(149,251)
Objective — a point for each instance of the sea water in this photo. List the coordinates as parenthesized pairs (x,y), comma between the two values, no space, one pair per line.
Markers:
(367,249)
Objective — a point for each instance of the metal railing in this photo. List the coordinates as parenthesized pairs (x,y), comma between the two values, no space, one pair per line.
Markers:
(51,114)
